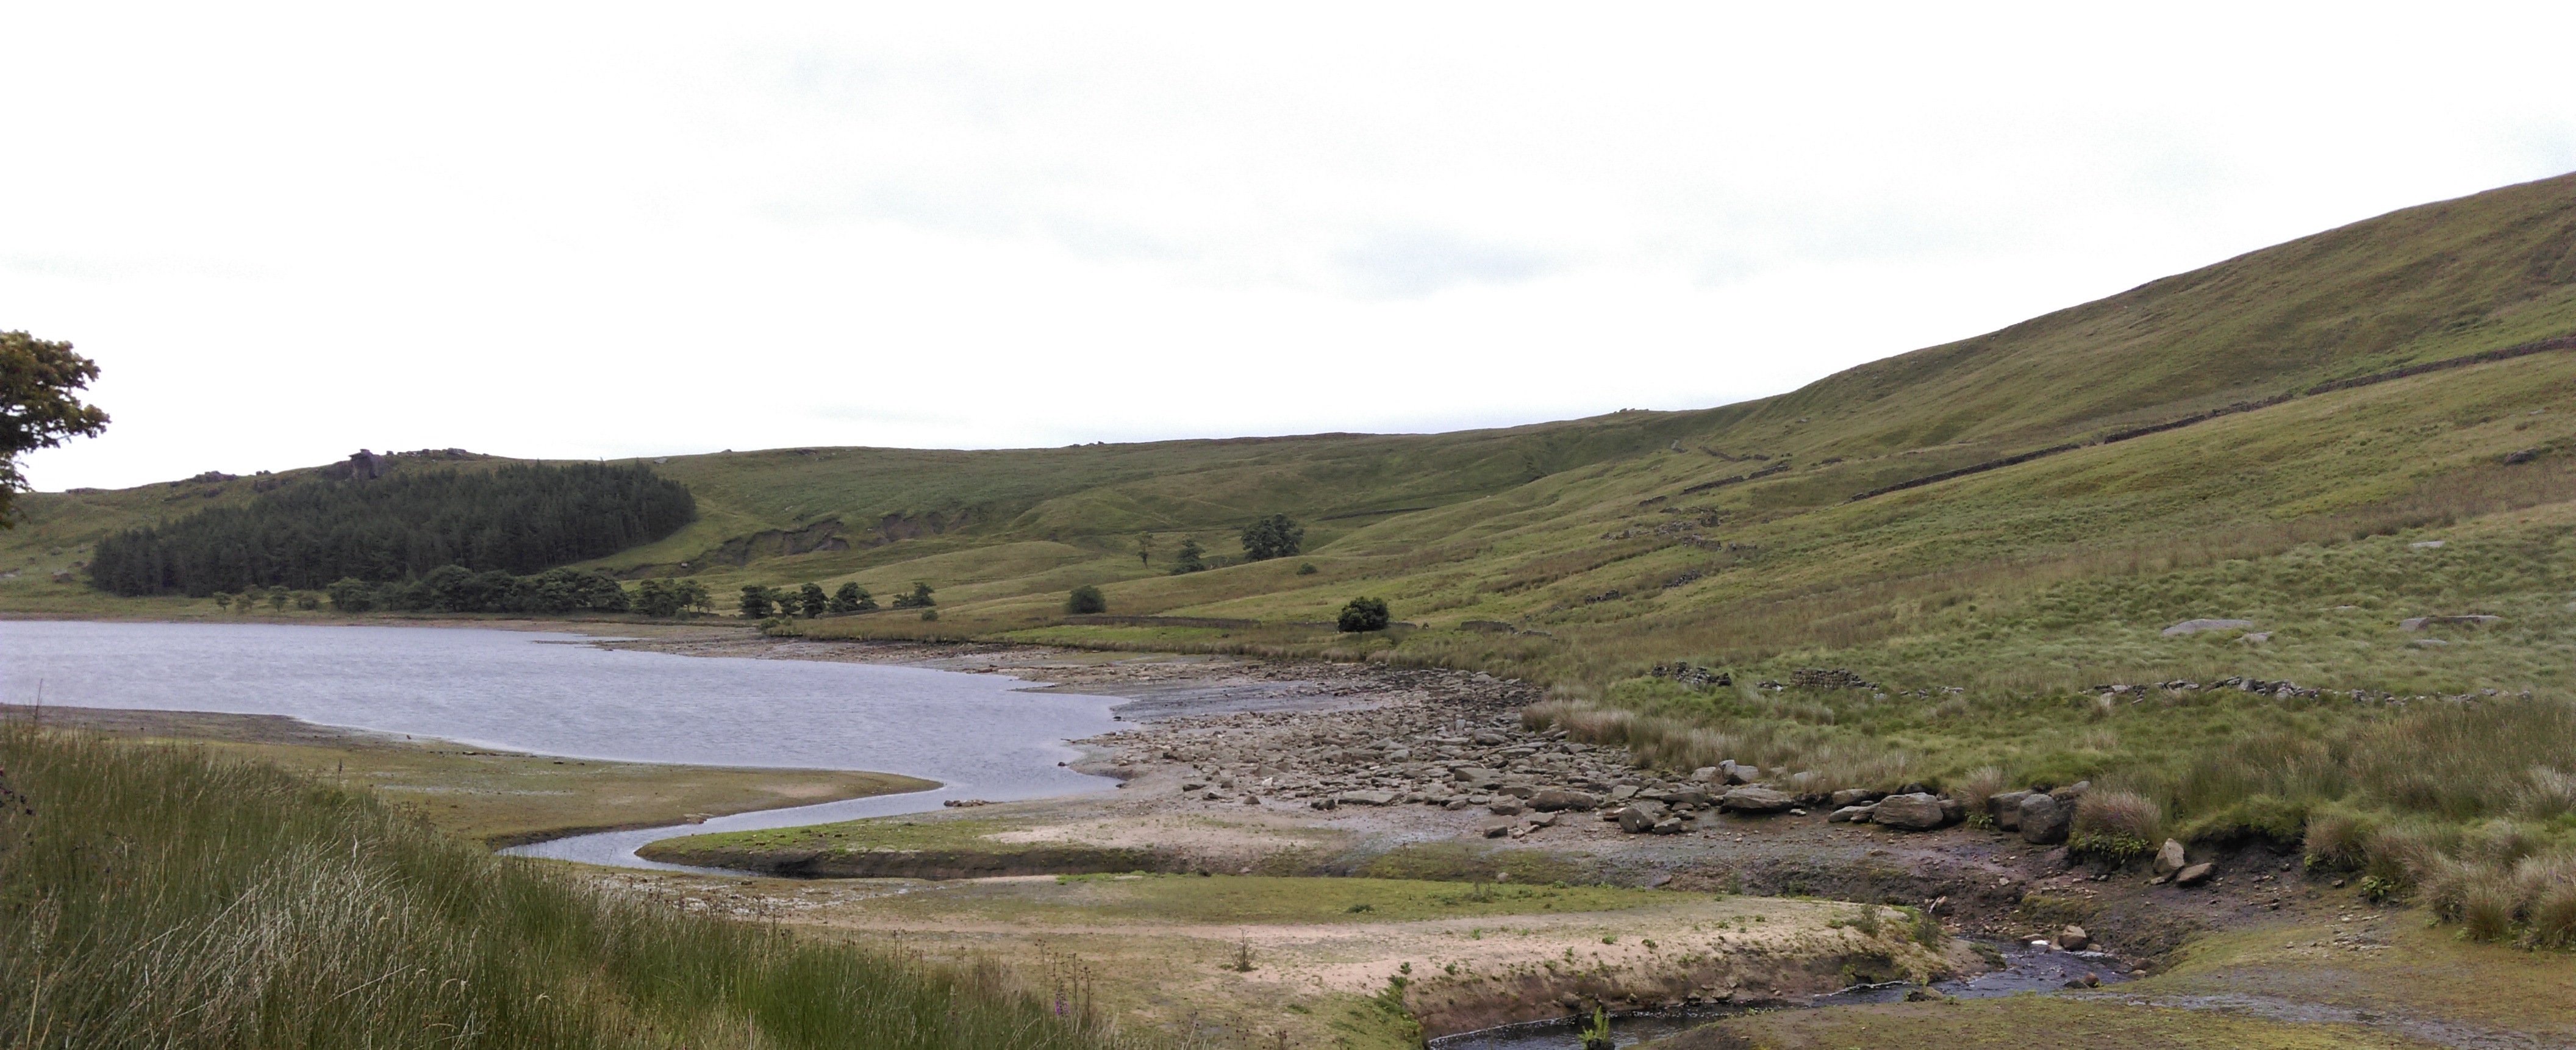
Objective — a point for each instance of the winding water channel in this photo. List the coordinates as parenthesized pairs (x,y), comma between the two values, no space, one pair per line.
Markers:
(980,736)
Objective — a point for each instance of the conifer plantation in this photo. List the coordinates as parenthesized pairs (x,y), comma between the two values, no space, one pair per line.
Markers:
(520,518)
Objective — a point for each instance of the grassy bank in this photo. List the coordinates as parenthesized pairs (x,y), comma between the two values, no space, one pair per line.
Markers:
(156,896)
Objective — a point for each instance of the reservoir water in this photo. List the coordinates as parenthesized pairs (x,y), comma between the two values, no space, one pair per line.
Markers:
(980,736)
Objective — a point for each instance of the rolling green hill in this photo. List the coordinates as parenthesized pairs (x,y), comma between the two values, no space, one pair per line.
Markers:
(1722,534)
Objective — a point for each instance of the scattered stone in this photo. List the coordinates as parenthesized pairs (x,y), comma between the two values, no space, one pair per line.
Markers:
(1623,792)
(2259,637)
(2089,980)
(2074,939)
(1856,796)
(1757,800)
(2194,875)
(1920,811)
(2044,820)
(1852,815)
(2197,626)
(2170,859)
(1640,816)
(2427,545)
(1552,800)
(1495,831)
(2520,456)
(2417,623)
(1668,826)
(1505,809)
(1365,798)
(2005,809)
(1704,774)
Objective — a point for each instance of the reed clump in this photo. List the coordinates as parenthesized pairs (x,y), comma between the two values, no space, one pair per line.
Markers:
(152,896)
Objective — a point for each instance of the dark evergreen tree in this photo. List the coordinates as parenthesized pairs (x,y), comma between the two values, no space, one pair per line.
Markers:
(521,518)
(1364,614)
(918,599)
(1189,559)
(755,602)
(813,601)
(1273,537)
(852,598)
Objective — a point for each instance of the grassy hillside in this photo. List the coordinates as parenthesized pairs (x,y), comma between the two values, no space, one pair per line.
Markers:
(151,896)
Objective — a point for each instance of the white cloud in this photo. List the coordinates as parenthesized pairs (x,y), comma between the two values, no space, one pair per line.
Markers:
(621,230)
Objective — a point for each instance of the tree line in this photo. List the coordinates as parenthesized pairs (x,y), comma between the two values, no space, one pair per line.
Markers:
(520,519)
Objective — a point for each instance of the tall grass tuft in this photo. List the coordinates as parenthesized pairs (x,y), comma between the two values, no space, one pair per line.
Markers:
(156,897)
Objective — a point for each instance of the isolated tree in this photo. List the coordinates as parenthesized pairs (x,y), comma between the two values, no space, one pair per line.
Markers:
(1145,548)
(1273,537)
(695,597)
(1086,599)
(852,598)
(755,602)
(1190,558)
(37,409)
(813,600)
(1363,614)
(918,599)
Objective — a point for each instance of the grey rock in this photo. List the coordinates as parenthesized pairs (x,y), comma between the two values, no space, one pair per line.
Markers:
(1551,800)
(2005,809)
(2417,623)
(2073,939)
(1495,831)
(1640,816)
(1856,796)
(1668,826)
(1757,800)
(2044,820)
(1704,774)
(1623,792)
(2170,859)
(1690,797)
(1365,798)
(1505,809)
(2197,626)
(1742,774)
(1851,815)
(2194,875)
(1517,790)
(1953,810)
(1914,812)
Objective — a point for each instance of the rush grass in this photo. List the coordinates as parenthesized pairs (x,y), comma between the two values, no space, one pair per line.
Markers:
(154,896)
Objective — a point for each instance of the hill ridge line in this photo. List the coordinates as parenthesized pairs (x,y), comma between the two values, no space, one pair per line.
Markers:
(2564,342)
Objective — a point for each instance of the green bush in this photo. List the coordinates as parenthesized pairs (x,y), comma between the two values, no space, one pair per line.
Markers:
(1086,599)
(1363,614)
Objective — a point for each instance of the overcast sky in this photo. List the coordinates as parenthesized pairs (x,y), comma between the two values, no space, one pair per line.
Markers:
(543,230)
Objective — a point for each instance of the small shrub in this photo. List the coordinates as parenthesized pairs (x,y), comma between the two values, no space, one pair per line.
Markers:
(1086,599)
(929,615)
(2337,840)
(1364,614)
(2553,917)
(1307,569)
(1974,789)
(2111,847)
(2119,814)
(2486,909)
(2547,792)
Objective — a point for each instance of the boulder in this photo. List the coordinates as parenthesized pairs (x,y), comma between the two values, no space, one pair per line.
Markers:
(1365,798)
(1705,774)
(1623,792)
(2194,875)
(2005,809)
(2044,820)
(1495,831)
(1552,800)
(1856,796)
(1916,812)
(2074,939)
(1517,790)
(1742,774)
(1640,816)
(2170,859)
(1473,774)
(1953,810)
(1505,809)
(1668,826)
(1852,814)
(1757,800)
(2197,626)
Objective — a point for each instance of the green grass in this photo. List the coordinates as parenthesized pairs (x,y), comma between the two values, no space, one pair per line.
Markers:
(152,896)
